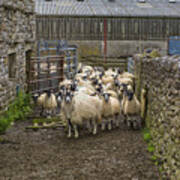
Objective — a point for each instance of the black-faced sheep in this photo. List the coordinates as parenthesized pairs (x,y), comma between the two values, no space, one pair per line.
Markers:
(131,108)
(81,109)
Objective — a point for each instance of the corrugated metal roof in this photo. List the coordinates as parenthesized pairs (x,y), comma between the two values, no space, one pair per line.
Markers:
(106,8)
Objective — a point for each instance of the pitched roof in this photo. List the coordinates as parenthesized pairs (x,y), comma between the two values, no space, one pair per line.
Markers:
(106,8)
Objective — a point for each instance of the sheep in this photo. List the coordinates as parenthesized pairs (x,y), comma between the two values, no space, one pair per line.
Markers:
(112,93)
(107,79)
(86,84)
(46,100)
(81,109)
(127,75)
(85,90)
(107,111)
(111,111)
(127,81)
(116,110)
(131,108)
(65,84)
(59,98)
(39,101)
(87,69)
(49,102)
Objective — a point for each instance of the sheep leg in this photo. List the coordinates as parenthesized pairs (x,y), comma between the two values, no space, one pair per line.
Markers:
(109,125)
(69,129)
(135,126)
(102,126)
(42,110)
(76,135)
(69,132)
(94,127)
(116,119)
(128,122)
(89,126)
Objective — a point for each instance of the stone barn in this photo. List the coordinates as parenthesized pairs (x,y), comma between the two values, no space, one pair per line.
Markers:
(17,37)
(109,27)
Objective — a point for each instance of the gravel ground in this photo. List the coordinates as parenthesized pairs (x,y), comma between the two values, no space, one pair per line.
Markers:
(47,154)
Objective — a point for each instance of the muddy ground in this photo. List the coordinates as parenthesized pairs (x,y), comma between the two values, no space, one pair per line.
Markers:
(47,154)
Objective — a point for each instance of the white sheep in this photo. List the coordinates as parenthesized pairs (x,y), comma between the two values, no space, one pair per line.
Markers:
(49,102)
(107,79)
(39,101)
(127,75)
(81,109)
(111,111)
(131,108)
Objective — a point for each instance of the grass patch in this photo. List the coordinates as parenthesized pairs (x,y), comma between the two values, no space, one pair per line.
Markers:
(46,120)
(146,135)
(19,109)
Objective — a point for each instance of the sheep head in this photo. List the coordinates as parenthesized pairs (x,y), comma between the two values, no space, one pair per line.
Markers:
(106,97)
(68,97)
(35,97)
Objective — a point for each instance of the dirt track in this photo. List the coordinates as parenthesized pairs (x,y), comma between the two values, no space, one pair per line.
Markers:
(47,154)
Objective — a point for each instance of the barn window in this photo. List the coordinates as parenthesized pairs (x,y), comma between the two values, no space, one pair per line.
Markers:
(12,65)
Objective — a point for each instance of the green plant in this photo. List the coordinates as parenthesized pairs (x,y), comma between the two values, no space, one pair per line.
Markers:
(153,158)
(17,110)
(146,135)
(151,148)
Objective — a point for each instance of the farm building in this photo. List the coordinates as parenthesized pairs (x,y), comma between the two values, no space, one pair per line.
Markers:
(17,36)
(128,25)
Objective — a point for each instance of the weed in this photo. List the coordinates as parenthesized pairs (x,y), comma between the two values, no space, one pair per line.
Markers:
(17,110)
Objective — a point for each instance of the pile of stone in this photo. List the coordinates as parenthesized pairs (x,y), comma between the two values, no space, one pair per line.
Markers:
(161,77)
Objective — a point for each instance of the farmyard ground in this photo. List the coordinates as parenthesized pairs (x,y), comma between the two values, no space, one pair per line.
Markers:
(48,155)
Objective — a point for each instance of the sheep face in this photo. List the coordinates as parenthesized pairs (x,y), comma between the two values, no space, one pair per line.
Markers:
(35,97)
(129,94)
(94,81)
(74,86)
(101,75)
(119,71)
(48,92)
(99,88)
(84,77)
(116,82)
(68,97)
(106,97)
(60,97)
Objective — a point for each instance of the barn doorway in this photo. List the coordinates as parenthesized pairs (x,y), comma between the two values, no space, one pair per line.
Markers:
(28,55)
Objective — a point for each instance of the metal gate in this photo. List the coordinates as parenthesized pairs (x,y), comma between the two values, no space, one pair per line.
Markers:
(45,73)
(55,61)
(130,65)
(174,45)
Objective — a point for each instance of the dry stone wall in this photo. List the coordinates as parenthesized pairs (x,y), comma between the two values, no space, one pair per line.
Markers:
(17,36)
(161,78)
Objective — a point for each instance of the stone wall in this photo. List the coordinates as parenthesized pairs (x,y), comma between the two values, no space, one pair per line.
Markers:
(17,35)
(161,78)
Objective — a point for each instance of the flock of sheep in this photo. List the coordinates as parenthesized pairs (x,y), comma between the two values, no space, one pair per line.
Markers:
(94,98)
